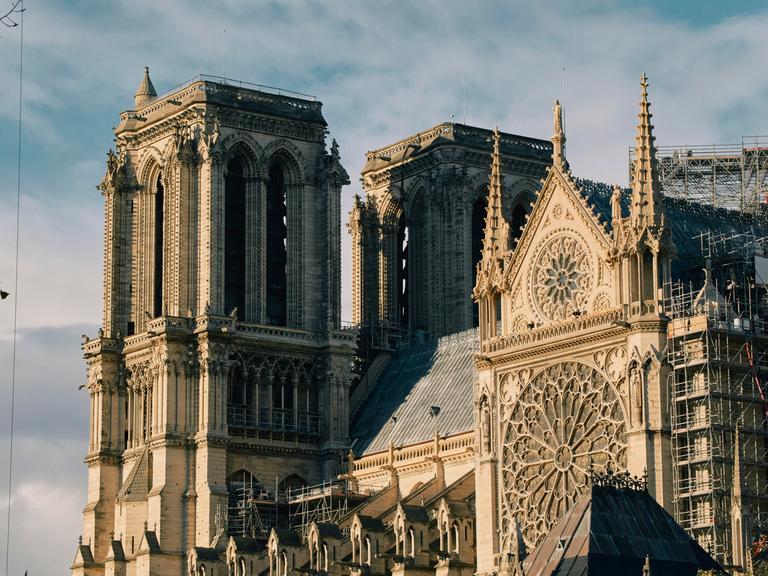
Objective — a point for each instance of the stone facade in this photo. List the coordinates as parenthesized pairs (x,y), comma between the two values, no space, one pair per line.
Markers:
(221,353)
(417,235)
(570,373)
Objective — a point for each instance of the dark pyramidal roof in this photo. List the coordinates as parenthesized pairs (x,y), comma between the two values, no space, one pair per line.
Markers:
(610,531)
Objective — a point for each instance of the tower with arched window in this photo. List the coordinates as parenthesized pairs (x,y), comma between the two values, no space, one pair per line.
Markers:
(417,235)
(221,355)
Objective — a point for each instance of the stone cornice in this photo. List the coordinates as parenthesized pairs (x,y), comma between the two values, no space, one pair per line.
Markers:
(554,338)
(375,179)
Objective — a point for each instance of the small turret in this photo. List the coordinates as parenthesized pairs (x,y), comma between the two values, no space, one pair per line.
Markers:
(145,92)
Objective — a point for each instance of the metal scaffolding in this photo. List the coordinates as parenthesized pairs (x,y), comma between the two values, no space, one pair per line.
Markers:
(726,176)
(254,511)
(718,353)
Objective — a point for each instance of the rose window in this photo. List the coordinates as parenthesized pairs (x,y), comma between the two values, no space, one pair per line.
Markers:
(567,419)
(562,278)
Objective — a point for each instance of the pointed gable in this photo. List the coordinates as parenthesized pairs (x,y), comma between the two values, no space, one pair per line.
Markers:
(560,266)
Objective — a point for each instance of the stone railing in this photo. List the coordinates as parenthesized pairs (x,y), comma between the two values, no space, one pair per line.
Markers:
(217,85)
(447,446)
(589,321)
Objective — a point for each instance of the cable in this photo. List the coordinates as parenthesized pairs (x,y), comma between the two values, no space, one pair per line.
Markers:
(15,295)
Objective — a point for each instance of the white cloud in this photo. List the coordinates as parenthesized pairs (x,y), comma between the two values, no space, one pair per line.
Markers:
(383,70)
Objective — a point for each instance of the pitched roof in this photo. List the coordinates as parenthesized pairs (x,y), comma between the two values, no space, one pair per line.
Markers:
(686,220)
(610,531)
(246,545)
(436,373)
(136,485)
(370,524)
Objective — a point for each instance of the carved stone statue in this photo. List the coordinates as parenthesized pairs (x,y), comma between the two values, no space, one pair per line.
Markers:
(636,386)
(485,427)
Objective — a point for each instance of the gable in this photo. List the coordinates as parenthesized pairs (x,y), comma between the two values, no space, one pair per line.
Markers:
(560,266)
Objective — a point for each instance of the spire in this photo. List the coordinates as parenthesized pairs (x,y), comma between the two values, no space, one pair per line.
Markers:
(496,229)
(736,494)
(646,190)
(558,138)
(145,92)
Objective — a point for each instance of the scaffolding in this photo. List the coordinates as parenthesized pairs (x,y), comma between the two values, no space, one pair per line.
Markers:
(254,511)
(718,353)
(725,176)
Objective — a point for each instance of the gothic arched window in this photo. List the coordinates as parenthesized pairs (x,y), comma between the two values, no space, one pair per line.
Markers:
(402,272)
(277,255)
(234,240)
(157,288)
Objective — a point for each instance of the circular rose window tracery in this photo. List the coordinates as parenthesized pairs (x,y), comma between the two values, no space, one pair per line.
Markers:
(562,277)
(566,419)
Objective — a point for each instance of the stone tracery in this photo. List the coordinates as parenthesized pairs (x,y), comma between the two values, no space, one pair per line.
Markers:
(562,277)
(566,420)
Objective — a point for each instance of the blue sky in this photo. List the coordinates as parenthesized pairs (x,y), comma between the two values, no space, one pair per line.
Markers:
(382,69)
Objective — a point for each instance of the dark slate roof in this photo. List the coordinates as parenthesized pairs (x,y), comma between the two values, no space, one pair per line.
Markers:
(136,485)
(436,373)
(328,530)
(247,545)
(687,220)
(287,537)
(370,524)
(150,542)
(417,514)
(206,554)
(610,531)
(117,551)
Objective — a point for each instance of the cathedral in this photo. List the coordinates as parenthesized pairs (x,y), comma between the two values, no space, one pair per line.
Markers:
(545,375)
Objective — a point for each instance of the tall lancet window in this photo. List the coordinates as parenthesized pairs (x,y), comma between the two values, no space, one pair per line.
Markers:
(402,272)
(157,288)
(479,209)
(277,254)
(234,239)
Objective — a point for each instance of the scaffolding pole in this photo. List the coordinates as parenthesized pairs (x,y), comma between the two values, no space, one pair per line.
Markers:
(718,353)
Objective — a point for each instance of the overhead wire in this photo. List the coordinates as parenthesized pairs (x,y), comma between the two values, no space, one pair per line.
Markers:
(15,292)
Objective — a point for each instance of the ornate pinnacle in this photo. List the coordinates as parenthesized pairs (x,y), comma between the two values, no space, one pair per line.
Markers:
(558,137)
(646,190)
(496,230)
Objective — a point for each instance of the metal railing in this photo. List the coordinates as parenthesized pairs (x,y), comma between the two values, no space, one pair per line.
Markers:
(272,419)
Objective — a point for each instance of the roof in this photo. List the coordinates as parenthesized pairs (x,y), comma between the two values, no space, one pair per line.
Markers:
(450,133)
(136,485)
(206,554)
(610,531)
(247,545)
(287,537)
(370,524)
(686,219)
(328,530)
(437,373)
(417,514)
(146,88)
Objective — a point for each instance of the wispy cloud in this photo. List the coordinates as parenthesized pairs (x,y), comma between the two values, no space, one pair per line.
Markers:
(383,70)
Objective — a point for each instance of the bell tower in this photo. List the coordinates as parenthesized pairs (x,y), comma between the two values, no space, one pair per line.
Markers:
(221,357)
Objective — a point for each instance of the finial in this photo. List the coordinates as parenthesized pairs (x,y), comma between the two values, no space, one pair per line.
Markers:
(80,540)
(646,207)
(558,137)
(146,525)
(647,566)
